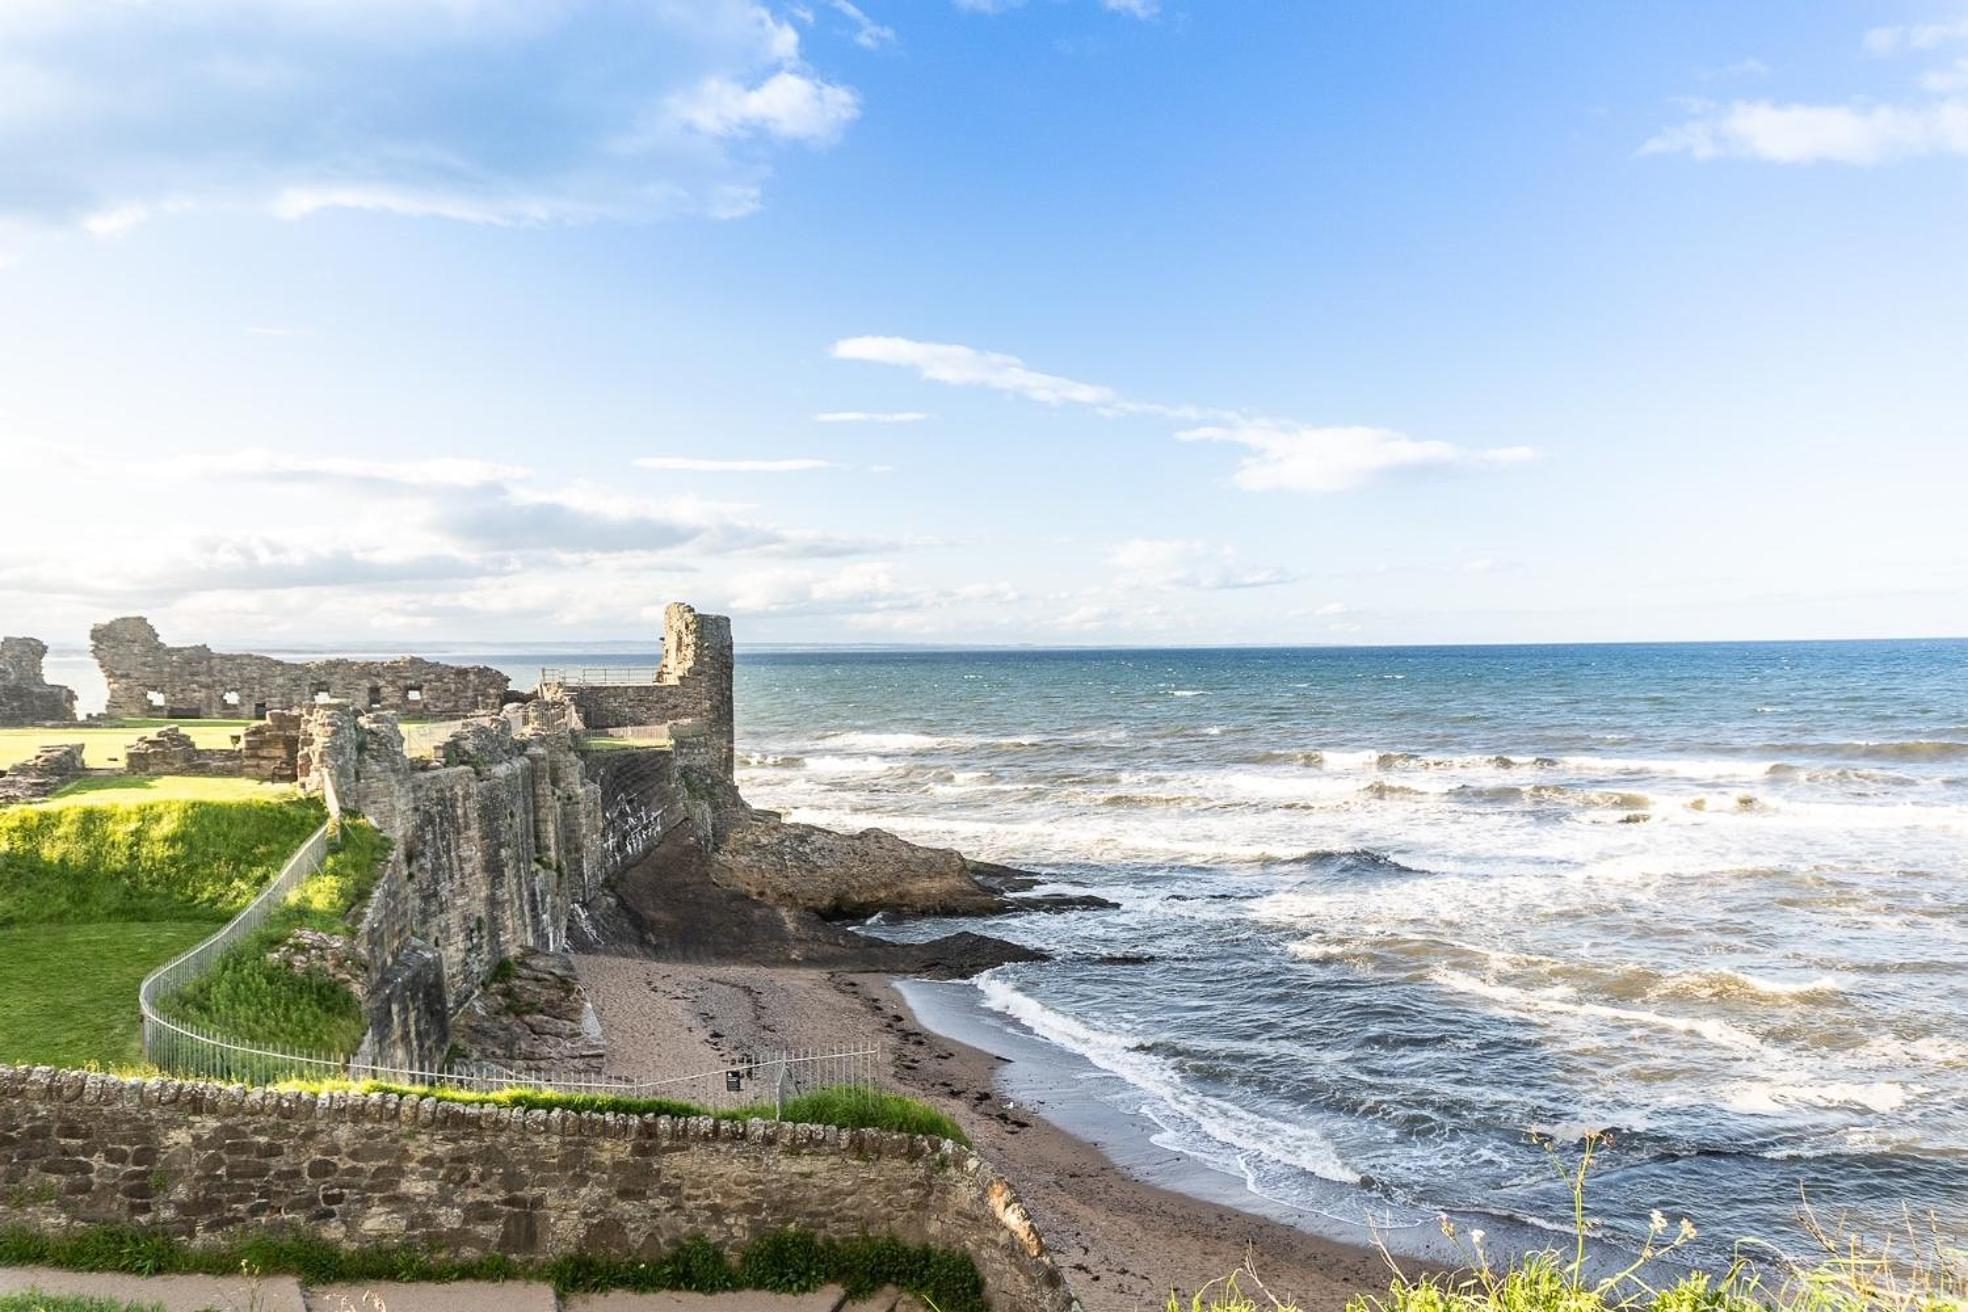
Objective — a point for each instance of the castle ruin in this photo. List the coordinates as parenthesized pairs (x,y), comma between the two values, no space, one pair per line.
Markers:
(25,696)
(149,680)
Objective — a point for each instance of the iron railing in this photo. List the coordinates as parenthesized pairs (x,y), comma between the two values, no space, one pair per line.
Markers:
(183,1048)
(598,675)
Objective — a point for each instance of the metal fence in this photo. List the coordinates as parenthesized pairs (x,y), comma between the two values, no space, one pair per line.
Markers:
(753,1081)
(598,675)
(182,1048)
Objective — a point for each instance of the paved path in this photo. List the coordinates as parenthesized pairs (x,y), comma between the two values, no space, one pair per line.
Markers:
(284,1294)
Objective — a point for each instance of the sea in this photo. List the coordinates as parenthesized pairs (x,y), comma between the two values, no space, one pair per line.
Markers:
(1397,926)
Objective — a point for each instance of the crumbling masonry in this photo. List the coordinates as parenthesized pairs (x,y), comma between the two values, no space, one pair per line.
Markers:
(25,697)
(148,679)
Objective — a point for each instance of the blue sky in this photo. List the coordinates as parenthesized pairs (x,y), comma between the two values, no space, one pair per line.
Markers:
(1065,321)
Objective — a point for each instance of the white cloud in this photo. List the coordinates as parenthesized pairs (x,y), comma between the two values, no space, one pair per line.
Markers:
(1857,132)
(1186,563)
(1142,9)
(1920,36)
(1807,134)
(870,417)
(1331,608)
(790,106)
(868,34)
(483,111)
(712,466)
(965,366)
(1292,456)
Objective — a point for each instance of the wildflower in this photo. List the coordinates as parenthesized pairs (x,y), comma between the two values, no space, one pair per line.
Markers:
(1447,1227)
(1476,1238)
(1687,1229)
(1656,1222)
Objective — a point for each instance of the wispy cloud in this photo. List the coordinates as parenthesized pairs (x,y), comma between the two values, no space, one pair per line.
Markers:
(699,464)
(1289,455)
(1142,9)
(871,417)
(1187,563)
(966,366)
(1308,458)
(1856,132)
(484,111)
(868,34)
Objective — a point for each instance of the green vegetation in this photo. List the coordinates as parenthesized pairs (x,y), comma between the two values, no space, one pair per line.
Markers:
(789,1261)
(103,741)
(95,896)
(249,998)
(1846,1276)
(36,1301)
(97,790)
(844,1105)
(71,990)
(144,860)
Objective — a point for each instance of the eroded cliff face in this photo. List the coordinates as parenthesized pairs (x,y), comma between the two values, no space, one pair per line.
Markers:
(495,841)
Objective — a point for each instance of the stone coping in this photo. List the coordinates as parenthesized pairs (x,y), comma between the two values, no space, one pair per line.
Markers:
(46,1084)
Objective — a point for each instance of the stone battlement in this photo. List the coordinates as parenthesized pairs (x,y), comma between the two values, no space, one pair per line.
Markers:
(692,685)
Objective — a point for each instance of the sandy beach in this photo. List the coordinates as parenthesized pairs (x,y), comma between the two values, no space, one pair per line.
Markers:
(1124,1243)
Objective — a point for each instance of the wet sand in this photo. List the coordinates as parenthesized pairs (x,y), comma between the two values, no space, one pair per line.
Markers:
(1122,1242)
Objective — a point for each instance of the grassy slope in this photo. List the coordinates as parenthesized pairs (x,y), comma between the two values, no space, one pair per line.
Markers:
(179,860)
(103,744)
(257,1002)
(93,897)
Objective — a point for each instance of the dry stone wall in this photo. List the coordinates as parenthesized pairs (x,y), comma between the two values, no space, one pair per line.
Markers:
(203,1162)
(148,678)
(25,696)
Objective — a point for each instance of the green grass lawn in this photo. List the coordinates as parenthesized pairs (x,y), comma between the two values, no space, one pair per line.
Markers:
(99,790)
(71,990)
(103,744)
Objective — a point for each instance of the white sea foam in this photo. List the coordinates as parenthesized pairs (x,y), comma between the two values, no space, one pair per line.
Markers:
(1564,1002)
(858,741)
(1774,1098)
(1291,1143)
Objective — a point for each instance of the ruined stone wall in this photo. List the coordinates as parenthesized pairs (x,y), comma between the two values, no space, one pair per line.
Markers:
(693,684)
(147,678)
(206,1162)
(25,696)
(495,841)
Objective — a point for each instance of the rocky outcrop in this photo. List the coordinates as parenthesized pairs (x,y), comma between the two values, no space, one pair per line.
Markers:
(25,696)
(329,956)
(669,906)
(531,1016)
(844,875)
(148,678)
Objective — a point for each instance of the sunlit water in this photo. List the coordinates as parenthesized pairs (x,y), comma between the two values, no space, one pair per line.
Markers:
(1405,906)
